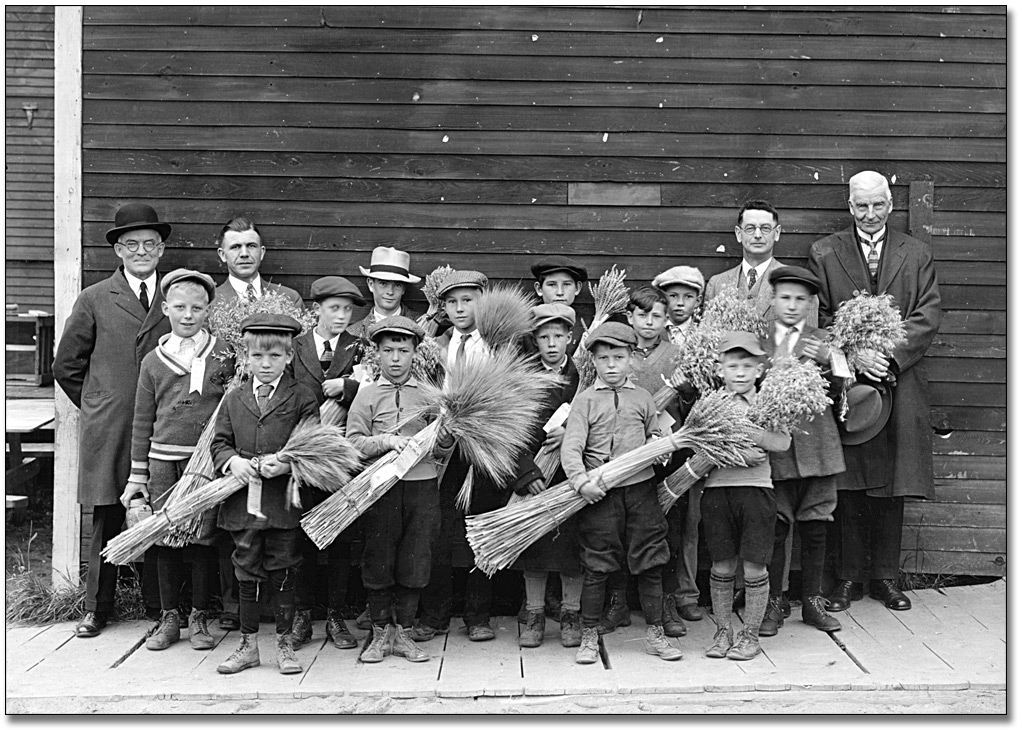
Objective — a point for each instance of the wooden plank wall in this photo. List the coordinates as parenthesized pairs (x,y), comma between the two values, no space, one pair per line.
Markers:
(482,137)
(28,176)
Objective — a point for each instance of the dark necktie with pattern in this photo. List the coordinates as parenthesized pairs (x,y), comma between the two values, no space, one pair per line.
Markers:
(263,396)
(327,357)
(873,258)
(143,296)
(752,278)
(250,292)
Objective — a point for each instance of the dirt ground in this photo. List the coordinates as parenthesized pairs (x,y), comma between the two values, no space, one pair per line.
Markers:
(805,702)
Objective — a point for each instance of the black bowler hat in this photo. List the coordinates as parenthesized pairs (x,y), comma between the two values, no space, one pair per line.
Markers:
(336,286)
(132,217)
(797,274)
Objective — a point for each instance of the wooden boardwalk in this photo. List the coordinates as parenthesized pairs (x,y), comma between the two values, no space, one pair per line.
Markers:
(950,640)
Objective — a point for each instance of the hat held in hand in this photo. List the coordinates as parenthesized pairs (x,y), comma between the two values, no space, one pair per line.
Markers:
(869,407)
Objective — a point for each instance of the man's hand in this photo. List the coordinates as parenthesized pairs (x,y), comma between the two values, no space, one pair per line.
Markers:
(754,456)
(872,365)
(333,387)
(591,491)
(535,486)
(817,349)
(554,438)
(243,469)
(398,442)
(271,467)
(130,490)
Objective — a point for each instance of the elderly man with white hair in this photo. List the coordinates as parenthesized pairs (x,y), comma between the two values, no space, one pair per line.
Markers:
(897,462)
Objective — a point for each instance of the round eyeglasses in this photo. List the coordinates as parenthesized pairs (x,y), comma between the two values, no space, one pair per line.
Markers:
(750,230)
(132,245)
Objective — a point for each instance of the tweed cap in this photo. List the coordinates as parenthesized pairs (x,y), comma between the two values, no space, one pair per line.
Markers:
(612,333)
(179,275)
(740,341)
(550,264)
(688,276)
(796,274)
(268,322)
(336,286)
(461,278)
(555,312)
(398,325)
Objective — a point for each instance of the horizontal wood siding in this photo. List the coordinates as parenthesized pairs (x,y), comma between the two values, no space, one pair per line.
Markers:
(491,135)
(28,179)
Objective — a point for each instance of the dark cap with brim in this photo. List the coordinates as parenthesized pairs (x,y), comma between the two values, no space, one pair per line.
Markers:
(396,325)
(178,275)
(550,264)
(268,322)
(336,286)
(135,217)
(740,341)
(458,279)
(796,274)
(615,334)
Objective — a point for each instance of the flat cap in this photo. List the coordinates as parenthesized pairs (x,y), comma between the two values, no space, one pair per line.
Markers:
(740,341)
(178,275)
(550,264)
(458,279)
(796,274)
(336,286)
(688,276)
(397,325)
(612,333)
(556,312)
(268,322)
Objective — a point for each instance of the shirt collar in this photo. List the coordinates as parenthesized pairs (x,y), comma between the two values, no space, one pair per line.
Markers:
(320,339)
(760,269)
(600,385)
(378,315)
(456,335)
(242,286)
(556,368)
(135,283)
(174,341)
(410,383)
(274,384)
(749,397)
(782,329)
(877,237)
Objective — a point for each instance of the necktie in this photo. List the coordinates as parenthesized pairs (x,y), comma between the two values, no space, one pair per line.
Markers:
(143,296)
(327,356)
(752,278)
(263,396)
(787,341)
(873,259)
(250,292)
(460,356)
(187,350)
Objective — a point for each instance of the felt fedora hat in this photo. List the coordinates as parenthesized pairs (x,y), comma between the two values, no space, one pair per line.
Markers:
(390,264)
(133,217)
(869,407)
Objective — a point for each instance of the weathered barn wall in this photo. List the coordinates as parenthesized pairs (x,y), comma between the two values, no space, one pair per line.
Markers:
(481,137)
(28,157)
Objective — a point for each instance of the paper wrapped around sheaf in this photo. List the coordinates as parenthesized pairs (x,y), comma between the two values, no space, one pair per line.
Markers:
(558,418)
(410,455)
(839,364)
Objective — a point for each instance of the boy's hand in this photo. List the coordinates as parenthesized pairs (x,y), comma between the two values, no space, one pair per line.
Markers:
(333,387)
(677,380)
(243,469)
(130,490)
(592,492)
(535,486)
(554,438)
(398,442)
(754,456)
(444,438)
(271,467)
(817,349)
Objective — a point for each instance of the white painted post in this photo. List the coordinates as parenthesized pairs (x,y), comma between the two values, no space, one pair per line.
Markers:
(67,284)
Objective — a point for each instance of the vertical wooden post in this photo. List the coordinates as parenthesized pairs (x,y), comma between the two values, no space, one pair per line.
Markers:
(67,265)
(920,209)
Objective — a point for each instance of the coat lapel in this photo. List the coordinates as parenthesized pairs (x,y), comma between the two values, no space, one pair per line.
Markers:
(891,261)
(124,297)
(283,393)
(344,354)
(308,355)
(248,399)
(851,260)
(155,314)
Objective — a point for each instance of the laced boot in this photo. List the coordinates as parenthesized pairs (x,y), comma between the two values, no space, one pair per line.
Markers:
(616,614)
(198,631)
(673,625)
(301,628)
(363,621)
(722,641)
(814,613)
(168,632)
(287,662)
(377,645)
(746,646)
(405,646)
(337,631)
(571,628)
(589,649)
(774,617)
(245,656)
(535,627)
(656,642)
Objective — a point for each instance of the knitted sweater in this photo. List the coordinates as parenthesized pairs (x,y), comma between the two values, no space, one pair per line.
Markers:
(750,476)
(168,418)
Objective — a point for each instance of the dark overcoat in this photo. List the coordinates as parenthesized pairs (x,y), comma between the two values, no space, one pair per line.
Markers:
(815,449)
(904,447)
(242,431)
(96,365)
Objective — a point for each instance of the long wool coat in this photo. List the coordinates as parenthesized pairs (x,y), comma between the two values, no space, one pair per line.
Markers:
(96,365)
(761,293)
(898,462)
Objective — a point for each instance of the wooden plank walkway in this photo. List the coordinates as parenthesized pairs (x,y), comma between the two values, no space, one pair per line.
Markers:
(950,640)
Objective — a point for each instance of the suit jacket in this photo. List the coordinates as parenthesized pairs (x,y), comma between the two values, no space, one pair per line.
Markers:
(555,397)
(242,431)
(361,327)
(306,369)
(904,448)
(761,293)
(96,365)
(225,292)
(815,444)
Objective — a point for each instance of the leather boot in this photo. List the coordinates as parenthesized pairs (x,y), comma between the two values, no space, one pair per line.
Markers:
(843,594)
(673,625)
(404,645)
(245,656)
(814,613)
(301,628)
(571,628)
(535,627)
(167,633)
(378,645)
(773,619)
(337,631)
(616,614)
(287,662)
(198,631)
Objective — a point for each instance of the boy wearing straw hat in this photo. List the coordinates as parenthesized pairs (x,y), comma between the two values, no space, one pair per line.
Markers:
(323,361)
(620,528)
(739,511)
(254,422)
(180,384)
(401,527)
(387,277)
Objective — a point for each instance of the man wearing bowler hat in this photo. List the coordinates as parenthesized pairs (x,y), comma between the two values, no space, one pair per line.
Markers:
(387,277)
(897,462)
(112,326)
